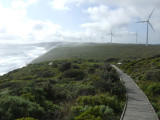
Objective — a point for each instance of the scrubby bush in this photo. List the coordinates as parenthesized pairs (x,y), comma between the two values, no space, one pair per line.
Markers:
(29,96)
(100,112)
(110,82)
(54,65)
(91,70)
(65,66)
(154,89)
(47,74)
(74,73)
(90,60)
(54,93)
(13,107)
(51,110)
(152,75)
(107,67)
(112,102)
(95,65)
(75,67)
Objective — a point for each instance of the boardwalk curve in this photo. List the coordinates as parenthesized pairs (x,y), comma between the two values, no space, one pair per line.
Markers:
(138,106)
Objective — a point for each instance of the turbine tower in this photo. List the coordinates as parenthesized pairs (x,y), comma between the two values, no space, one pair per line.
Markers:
(148,24)
(112,35)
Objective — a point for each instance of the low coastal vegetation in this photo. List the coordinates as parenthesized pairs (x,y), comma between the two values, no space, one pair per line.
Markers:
(100,52)
(72,89)
(146,73)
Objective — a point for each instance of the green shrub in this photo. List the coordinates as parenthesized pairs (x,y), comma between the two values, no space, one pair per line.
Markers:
(65,66)
(96,113)
(90,60)
(110,82)
(55,65)
(76,90)
(152,75)
(29,96)
(107,67)
(13,107)
(46,74)
(154,89)
(96,66)
(74,73)
(112,102)
(51,110)
(54,93)
(91,70)
(75,67)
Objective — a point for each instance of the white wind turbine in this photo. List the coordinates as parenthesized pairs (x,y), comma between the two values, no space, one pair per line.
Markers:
(148,24)
(112,35)
(102,37)
(136,34)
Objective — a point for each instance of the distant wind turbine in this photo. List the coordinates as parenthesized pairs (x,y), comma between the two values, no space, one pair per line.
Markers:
(102,37)
(80,38)
(148,24)
(90,38)
(136,34)
(112,35)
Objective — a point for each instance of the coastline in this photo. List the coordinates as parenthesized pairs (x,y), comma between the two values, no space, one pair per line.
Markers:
(20,55)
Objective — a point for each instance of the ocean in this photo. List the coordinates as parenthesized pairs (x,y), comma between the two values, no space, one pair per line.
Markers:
(17,56)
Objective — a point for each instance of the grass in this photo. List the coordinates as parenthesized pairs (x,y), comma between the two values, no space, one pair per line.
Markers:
(99,52)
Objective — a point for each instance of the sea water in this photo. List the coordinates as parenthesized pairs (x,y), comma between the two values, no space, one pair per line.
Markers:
(17,56)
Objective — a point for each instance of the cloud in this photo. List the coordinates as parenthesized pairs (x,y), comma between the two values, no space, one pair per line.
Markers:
(104,18)
(60,4)
(99,16)
(16,26)
(19,4)
(65,4)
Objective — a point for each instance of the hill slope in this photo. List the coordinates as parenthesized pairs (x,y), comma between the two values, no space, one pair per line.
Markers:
(99,52)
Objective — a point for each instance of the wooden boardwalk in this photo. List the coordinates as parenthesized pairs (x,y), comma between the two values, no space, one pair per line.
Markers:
(138,106)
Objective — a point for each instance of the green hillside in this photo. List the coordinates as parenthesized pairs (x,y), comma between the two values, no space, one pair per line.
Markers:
(62,90)
(73,82)
(99,52)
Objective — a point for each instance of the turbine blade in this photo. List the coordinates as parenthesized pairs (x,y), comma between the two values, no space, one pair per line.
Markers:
(151,26)
(151,14)
(140,21)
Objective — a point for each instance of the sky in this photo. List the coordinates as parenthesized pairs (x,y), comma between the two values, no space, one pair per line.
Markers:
(34,21)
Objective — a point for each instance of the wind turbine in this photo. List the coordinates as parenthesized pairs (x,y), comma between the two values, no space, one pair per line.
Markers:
(136,34)
(148,24)
(90,39)
(112,35)
(102,37)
